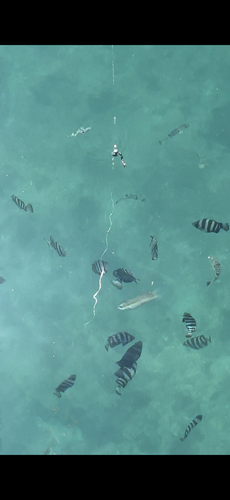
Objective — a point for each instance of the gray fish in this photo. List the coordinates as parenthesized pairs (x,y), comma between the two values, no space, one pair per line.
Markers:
(2,280)
(117,283)
(65,385)
(154,248)
(176,131)
(192,424)
(210,226)
(217,268)
(197,342)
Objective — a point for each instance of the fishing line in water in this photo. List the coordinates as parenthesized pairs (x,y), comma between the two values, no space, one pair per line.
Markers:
(100,267)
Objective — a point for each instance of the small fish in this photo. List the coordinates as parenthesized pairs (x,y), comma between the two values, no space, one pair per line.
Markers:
(100,267)
(210,226)
(133,197)
(190,324)
(53,244)
(217,268)
(137,301)
(65,385)
(119,338)
(176,131)
(2,280)
(131,355)
(81,130)
(124,376)
(125,275)
(197,342)
(192,424)
(154,248)
(117,283)
(21,204)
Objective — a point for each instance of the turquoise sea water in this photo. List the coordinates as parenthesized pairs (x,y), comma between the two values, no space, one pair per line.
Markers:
(130,96)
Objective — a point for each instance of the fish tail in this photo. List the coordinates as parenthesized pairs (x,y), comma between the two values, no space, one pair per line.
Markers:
(208,282)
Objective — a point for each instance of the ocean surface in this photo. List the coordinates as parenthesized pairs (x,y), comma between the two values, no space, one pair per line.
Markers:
(51,327)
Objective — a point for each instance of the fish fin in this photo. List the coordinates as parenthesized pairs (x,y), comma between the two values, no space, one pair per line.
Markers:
(57,393)
(208,282)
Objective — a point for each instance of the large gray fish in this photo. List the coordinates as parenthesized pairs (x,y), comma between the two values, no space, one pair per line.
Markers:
(176,131)
(217,268)
(65,385)
(124,376)
(21,204)
(210,226)
(137,301)
(119,338)
(192,424)
(154,248)
(197,342)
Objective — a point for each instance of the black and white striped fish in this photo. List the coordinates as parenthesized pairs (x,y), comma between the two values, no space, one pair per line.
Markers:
(119,338)
(190,324)
(131,355)
(100,267)
(154,248)
(210,226)
(124,376)
(124,275)
(21,204)
(217,268)
(192,424)
(65,385)
(53,244)
(197,342)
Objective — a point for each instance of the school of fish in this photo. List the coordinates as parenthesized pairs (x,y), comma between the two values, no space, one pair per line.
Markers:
(128,362)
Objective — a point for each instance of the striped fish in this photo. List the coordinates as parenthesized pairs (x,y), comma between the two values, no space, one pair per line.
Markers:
(154,248)
(217,268)
(131,355)
(100,267)
(53,244)
(124,376)
(197,342)
(65,385)
(192,424)
(21,204)
(119,338)
(210,226)
(190,323)
(124,275)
